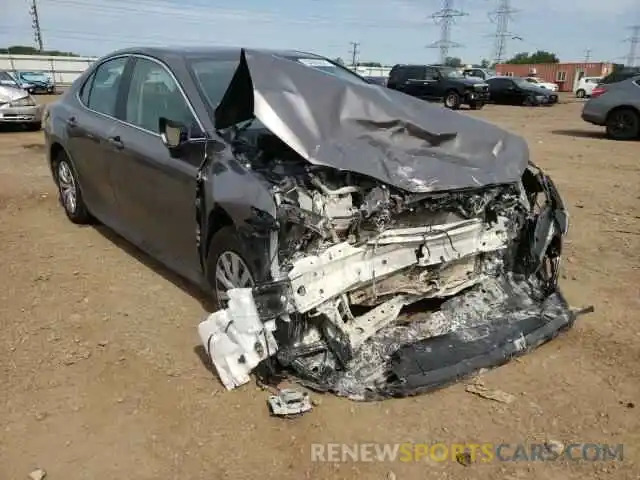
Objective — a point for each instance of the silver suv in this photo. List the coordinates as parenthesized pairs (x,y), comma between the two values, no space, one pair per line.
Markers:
(616,106)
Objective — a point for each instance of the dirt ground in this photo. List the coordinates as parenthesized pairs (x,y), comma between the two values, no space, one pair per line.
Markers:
(99,376)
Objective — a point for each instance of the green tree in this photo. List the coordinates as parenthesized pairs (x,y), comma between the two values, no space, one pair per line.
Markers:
(453,62)
(485,63)
(27,50)
(540,56)
(339,60)
(369,64)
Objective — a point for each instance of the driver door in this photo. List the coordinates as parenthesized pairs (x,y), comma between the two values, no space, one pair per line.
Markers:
(155,189)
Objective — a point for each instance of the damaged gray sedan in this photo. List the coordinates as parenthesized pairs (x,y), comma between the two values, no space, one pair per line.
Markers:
(357,238)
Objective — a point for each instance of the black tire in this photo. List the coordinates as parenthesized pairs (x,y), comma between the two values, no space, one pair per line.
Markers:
(452,100)
(623,124)
(581,93)
(529,101)
(476,105)
(33,127)
(226,241)
(66,178)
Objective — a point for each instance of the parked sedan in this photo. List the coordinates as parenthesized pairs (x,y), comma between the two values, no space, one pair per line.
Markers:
(18,107)
(518,91)
(616,106)
(313,206)
(36,82)
(538,82)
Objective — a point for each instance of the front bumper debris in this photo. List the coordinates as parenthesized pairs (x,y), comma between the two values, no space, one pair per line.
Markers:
(408,309)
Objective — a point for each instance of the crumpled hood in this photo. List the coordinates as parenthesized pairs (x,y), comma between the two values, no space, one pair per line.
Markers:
(9,94)
(392,137)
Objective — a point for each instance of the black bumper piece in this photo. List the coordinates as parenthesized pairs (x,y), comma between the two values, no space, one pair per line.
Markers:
(437,362)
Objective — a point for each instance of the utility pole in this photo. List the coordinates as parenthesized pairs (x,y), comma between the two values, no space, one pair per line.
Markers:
(634,41)
(446,17)
(354,53)
(35,22)
(501,17)
(587,55)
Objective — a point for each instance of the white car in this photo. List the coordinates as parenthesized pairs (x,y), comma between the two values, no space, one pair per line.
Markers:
(541,83)
(586,86)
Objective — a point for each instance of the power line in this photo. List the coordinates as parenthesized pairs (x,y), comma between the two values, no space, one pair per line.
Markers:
(446,17)
(634,41)
(200,15)
(501,17)
(354,53)
(37,33)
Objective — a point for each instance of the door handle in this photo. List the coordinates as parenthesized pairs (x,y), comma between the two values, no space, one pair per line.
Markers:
(116,142)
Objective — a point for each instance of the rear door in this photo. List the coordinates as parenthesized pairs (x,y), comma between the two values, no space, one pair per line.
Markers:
(433,83)
(155,189)
(88,128)
(501,90)
(415,84)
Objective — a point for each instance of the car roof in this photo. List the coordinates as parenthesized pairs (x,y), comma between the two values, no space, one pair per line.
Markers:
(208,51)
(409,65)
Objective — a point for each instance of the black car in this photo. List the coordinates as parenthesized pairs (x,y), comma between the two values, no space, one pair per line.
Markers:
(314,206)
(439,83)
(620,74)
(376,80)
(517,91)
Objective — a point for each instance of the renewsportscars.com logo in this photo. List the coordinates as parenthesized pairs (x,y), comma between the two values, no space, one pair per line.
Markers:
(477,452)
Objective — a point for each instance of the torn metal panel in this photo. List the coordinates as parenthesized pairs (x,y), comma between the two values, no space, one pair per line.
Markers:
(342,267)
(395,138)
(236,339)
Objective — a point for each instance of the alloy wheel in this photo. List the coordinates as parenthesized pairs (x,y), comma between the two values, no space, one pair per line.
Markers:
(67,186)
(623,124)
(231,272)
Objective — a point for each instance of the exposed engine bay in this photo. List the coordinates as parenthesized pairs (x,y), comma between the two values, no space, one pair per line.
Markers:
(378,292)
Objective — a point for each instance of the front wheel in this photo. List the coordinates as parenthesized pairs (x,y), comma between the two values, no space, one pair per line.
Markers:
(623,124)
(581,93)
(529,101)
(476,105)
(452,100)
(69,191)
(228,265)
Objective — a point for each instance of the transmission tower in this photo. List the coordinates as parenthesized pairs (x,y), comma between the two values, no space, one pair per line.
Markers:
(634,41)
(501,17)
(446,17)
(354,53)
(587,55)
(35,22)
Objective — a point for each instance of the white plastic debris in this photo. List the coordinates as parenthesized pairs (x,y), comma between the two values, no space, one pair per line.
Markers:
(236,339)
(289,402)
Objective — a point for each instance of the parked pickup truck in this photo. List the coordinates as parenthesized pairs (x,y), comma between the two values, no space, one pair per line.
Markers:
(439,83)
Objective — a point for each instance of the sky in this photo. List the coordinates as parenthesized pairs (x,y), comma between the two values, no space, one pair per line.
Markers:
(389,31)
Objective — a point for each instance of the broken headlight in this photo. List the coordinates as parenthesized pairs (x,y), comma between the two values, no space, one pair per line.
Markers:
(27,101)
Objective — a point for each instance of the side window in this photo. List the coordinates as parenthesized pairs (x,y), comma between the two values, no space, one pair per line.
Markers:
(153,93)
(104,88)
(86,89)
(430,73)
(416,73)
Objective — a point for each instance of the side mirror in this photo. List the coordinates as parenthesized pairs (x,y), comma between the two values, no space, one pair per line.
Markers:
(172,133)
